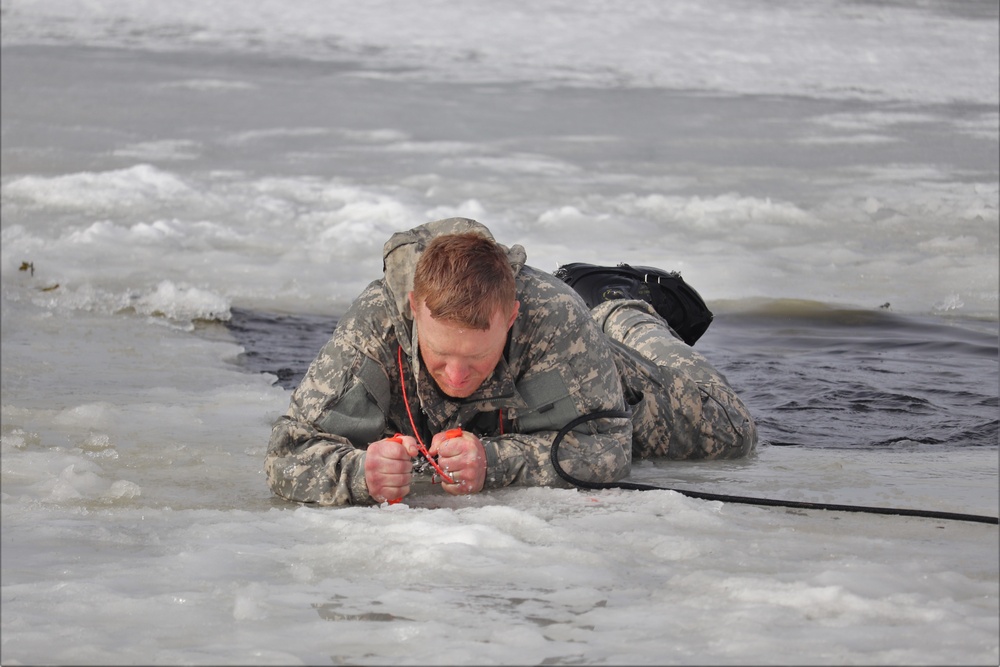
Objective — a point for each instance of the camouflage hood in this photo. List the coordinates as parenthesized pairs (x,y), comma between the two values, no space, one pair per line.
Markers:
(399,262)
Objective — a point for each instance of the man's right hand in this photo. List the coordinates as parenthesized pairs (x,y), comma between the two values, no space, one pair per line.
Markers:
(389,467)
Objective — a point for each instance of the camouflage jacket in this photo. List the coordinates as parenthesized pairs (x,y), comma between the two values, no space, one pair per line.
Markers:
(557,365)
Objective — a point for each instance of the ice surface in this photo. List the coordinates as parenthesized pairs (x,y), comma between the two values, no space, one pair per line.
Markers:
(166,163)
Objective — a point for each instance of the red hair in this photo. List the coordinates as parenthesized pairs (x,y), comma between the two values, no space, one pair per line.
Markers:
(465,278)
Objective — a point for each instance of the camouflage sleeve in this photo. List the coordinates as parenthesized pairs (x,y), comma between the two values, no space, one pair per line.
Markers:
(565,368)
(523,459)
(316,453)
(310,467)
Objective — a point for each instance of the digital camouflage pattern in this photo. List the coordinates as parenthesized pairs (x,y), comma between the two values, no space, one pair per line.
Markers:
(682,408)
(558,364)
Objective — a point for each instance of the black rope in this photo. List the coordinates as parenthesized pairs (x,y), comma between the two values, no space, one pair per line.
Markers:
(771,502)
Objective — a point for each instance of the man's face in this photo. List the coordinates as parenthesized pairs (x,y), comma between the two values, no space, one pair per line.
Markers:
(458,357)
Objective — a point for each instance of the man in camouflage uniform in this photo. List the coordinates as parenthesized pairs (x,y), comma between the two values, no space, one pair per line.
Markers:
(541,360)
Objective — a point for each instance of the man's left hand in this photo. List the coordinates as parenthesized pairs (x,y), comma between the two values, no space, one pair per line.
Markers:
(464,459)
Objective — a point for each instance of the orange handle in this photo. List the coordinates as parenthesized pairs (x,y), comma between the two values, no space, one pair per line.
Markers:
(452,433)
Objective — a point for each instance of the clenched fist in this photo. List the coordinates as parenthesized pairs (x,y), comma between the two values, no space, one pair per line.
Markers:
(389,468)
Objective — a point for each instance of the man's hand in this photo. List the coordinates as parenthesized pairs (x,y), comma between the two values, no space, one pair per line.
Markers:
(389,468)
(463,457)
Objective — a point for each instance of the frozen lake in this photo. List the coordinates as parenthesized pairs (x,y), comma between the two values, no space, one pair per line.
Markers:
(193,193)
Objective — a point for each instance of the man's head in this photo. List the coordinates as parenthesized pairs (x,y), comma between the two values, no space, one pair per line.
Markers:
(464,301)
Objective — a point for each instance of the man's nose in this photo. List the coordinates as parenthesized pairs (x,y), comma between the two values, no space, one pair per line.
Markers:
(456,373)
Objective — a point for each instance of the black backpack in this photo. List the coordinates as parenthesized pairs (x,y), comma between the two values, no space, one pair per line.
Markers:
(676,301)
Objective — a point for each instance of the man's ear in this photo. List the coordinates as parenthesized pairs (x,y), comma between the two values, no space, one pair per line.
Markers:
(513,314)
(413,303)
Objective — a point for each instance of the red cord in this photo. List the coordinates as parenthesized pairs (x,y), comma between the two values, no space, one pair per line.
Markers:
(413,424)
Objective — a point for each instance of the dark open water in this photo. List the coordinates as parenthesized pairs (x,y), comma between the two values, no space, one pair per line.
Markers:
(813,376)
